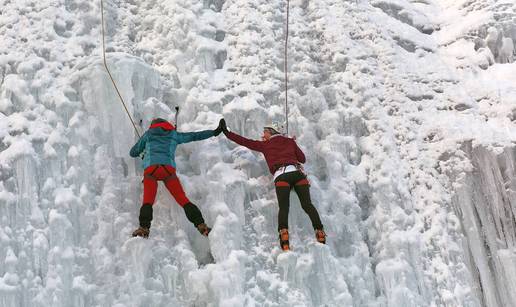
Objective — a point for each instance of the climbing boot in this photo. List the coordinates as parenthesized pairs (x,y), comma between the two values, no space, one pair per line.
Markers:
(141,232)
(320,235)
(283,238)
(203,229)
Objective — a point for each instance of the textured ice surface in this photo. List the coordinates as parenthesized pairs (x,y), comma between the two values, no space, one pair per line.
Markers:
(405,110)
(484,202)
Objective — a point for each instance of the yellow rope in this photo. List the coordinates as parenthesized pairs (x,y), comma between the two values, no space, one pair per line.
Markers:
(109,72)
(286,67)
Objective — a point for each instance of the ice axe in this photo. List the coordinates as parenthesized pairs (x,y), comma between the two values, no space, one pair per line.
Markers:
(177,113)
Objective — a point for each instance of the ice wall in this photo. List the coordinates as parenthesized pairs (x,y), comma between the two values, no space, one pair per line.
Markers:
(484,202)
(381,94)
(65,190)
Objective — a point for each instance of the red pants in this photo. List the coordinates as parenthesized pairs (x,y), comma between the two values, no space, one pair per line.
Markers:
(167,174)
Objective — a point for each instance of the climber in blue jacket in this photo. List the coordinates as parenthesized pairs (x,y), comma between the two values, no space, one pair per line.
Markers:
(158,146)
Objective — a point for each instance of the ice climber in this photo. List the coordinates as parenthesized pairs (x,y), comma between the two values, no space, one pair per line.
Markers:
(158,145)
(284,159)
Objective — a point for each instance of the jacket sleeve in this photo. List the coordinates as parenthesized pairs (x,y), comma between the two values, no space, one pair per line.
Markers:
(139,147)
(251,144)
(299,153)
(186,137)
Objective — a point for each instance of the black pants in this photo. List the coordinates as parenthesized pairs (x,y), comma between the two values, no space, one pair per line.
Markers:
(193,214)
(298,181)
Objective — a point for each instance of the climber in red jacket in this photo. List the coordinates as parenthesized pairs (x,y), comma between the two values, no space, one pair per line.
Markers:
(284,159)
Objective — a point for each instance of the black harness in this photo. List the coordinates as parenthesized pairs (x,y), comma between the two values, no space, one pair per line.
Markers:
(170,176)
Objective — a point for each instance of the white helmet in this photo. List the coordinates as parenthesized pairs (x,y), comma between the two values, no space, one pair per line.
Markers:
(276,126)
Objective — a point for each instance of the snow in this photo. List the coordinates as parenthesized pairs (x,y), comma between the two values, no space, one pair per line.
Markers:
(405,110)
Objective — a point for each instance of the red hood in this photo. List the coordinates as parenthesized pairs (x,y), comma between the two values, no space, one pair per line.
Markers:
(166,126)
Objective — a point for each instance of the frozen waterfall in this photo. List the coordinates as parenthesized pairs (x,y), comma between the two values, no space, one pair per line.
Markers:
(405,110)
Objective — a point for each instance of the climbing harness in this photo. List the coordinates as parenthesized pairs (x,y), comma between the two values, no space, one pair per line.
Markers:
(286,67)
(109,72)
(171,175)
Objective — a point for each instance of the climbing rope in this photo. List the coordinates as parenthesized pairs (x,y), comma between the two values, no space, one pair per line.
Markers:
(109,72)
(286,67)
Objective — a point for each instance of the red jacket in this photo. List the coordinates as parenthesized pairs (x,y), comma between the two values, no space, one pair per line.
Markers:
(278,150)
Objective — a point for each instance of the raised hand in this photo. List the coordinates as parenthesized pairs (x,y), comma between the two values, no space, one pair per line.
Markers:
(222,126)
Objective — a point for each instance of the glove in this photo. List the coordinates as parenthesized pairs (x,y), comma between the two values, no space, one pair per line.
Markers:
(218,130)
(221,128)
(222,125)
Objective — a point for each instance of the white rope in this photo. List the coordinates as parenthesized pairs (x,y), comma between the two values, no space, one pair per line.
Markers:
(109,72)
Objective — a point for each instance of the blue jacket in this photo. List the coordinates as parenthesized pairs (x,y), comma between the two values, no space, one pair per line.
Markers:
(158,144)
